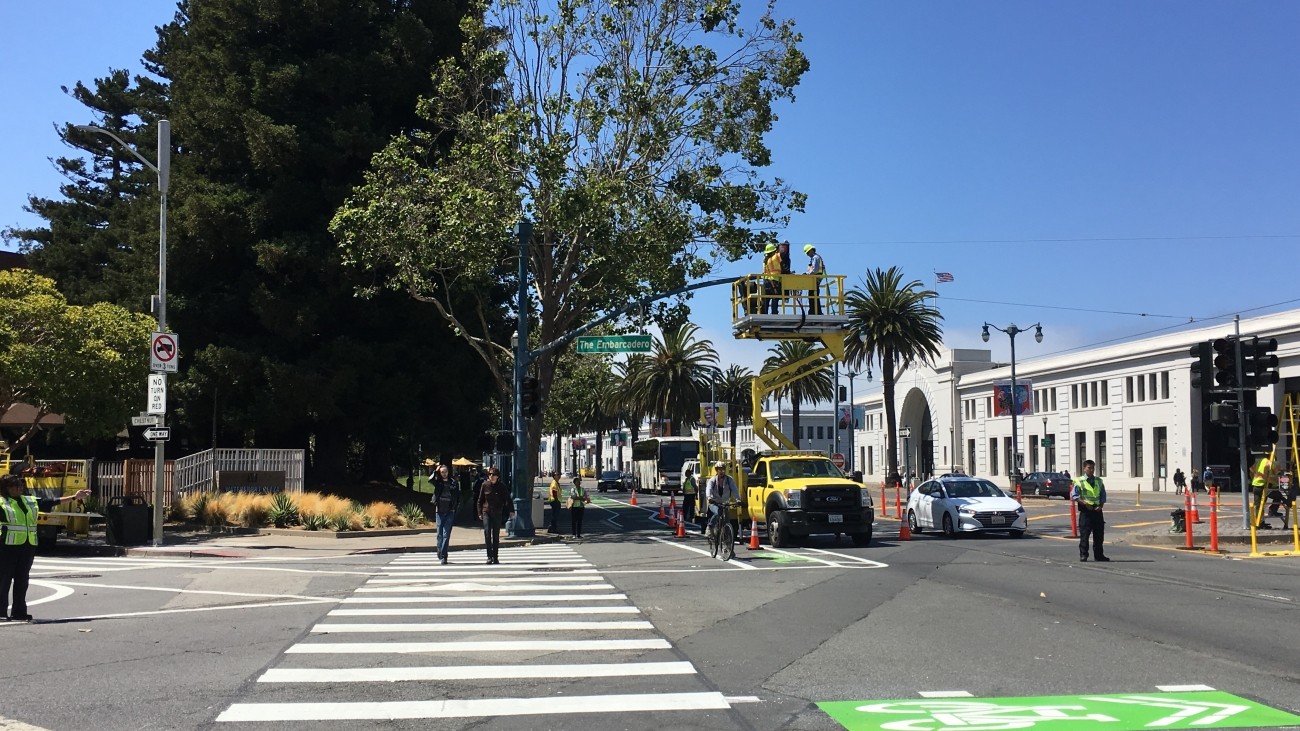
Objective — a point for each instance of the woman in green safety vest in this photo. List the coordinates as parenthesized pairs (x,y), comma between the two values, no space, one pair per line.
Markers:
(578,500)
(18,514)
(688,495)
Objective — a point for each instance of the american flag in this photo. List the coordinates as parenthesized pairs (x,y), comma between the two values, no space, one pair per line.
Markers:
(942,277)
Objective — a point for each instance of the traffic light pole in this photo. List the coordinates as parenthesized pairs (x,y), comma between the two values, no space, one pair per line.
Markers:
(520,481)
(1243,449)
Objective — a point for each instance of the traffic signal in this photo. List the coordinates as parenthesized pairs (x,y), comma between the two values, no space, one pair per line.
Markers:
(529,399)
(1202,368)
(1258,364)
(1261,430)
(505,442)
(1224,414)
(844,394)
(1225,363)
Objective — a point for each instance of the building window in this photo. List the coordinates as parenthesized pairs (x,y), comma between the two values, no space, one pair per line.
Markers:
(870,459)
(1008,455)
(1100,440)
(1074,395)
(1105,393)
(1128,389)
(1049,457)
(1080,450)
(970,457)
(1053,392)
(1094,400)
(1152,379)
(1142,388)
(1033,452)
(820,434)
(1135,451)
(988,407)
(1037,408)
(993,456)
(1160,435)
(1164,384)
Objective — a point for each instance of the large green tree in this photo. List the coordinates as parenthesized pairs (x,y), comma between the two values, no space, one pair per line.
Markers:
(893,325)
(630,133)
(276,109)
(87,364)
(734,388)
(812,383)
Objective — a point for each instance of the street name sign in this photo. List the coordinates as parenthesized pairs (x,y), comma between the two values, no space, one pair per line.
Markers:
(145,420)
(1048,442)
(592,344)
(158,433)
(163,351)
(157,394)
(1121,712)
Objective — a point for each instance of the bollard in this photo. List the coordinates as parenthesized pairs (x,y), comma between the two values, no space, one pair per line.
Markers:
(884,500)
(1019,497)
(1187,519)
(1214,519)
(1138,503)
(1074,520)
(898,502)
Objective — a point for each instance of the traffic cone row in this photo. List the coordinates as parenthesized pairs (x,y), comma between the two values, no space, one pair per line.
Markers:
(753,534)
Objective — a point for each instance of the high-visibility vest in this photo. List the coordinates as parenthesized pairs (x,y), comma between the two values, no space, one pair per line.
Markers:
(1089,493)
(772,265)
(1261,468)
(688,485)
(579,495)
(554,495)
(19,526)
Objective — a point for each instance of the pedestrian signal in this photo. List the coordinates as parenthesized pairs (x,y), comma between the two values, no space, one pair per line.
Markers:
(529,398)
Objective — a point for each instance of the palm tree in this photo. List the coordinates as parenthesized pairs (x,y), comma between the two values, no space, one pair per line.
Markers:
(812,386)
(734,388)
(890,323)
(598,412)
(630,409)
(673,380)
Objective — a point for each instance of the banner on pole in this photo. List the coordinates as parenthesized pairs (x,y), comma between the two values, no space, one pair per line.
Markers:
(1024,400)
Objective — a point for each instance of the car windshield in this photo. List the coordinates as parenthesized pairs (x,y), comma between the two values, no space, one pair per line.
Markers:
(611,475)
(784,469)
(973,488)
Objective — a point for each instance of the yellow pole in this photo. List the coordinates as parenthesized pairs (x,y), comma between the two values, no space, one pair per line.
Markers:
(1295,530)
(1139,498)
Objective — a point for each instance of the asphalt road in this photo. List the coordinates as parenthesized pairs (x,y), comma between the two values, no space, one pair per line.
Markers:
(632,628)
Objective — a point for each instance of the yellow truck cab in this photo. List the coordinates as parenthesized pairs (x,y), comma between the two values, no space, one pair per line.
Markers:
(798,493)
(50,479)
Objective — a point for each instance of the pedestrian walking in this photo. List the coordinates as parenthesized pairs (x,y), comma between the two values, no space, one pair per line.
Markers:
(446,496)
(1207,479)
(578,500)
(689,484)
(18,514)
(553,499)
(815,266)
(494,507)
(1180,481)
(1089,493)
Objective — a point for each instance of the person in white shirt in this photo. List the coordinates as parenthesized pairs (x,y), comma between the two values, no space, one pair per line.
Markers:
(718,491)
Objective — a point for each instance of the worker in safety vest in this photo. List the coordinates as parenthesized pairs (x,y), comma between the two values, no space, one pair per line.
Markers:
(771,280)
(1089,493)
(689,483)
(815,266)
(18,514)
(1262,478)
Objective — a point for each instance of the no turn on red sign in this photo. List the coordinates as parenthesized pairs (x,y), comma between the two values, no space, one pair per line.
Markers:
(164,352)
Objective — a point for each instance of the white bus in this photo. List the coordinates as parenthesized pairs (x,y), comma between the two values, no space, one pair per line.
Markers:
(657,462)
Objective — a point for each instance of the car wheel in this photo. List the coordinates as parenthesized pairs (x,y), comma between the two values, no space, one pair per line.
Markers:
(1016,533)
(948,529)
(778,532)
(912,524)
(861,539)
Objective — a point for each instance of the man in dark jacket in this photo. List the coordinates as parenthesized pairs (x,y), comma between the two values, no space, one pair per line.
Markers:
(446,495)
(494,506)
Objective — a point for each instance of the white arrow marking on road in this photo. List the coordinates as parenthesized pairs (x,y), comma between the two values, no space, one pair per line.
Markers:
(59,590)
(1185,709)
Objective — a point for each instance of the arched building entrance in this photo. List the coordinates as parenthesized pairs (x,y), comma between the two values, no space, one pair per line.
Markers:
(916,450)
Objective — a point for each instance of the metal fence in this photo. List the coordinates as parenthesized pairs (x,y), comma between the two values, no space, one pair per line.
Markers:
(195,472)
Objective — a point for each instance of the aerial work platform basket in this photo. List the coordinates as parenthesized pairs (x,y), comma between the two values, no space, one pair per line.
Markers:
(788,306)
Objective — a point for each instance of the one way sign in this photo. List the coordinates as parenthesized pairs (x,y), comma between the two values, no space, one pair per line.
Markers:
(158,433)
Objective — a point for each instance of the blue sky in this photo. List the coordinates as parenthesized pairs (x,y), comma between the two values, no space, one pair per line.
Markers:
(1131,157)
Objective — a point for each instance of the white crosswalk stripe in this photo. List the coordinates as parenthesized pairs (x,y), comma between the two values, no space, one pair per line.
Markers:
(460,628)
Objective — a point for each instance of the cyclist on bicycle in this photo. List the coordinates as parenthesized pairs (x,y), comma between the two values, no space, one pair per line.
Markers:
(720,490)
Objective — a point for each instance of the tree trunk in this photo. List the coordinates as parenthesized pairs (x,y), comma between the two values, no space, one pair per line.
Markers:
(891,423)
(794,417)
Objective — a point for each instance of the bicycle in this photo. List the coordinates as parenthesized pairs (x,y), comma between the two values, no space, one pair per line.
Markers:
(722,535)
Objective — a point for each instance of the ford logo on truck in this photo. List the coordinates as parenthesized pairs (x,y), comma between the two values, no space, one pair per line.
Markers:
(832,498)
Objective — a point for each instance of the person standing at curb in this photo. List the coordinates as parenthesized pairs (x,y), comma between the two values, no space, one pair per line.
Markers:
(688,495)
(1089,493)
(578,500)
(1180,481)
(493,507)
(553,499)
(18,513)
(446,495)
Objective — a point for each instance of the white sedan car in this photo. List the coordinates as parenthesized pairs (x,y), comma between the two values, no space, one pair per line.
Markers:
(961,504)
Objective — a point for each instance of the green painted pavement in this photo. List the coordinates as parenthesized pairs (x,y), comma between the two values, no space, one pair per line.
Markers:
(1124,712)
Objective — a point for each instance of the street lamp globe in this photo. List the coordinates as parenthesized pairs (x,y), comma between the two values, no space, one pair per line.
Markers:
(1038,333)
(985,335)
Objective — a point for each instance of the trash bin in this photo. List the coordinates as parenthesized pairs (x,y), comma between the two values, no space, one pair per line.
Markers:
(128,521)
(1179,519)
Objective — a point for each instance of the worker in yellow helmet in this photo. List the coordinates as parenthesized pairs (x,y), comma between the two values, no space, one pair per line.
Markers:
(818,267)
(771,280)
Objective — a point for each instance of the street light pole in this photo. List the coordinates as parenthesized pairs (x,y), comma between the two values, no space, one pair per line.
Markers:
(1012,331)
(163,171)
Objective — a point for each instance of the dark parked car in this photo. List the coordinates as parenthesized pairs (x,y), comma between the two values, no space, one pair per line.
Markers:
(1048,484)
(612,480)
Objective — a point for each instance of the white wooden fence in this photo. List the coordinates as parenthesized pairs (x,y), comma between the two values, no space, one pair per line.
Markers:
(195,472)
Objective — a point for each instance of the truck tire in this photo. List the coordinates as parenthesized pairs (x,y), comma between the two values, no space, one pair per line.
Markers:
(778,530)
(862,539)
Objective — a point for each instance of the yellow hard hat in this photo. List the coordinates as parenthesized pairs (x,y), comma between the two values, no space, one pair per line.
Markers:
(808,248)
(770,248)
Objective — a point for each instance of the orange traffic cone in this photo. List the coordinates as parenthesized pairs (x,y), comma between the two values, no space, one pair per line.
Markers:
(661,509)
(753,534)
(633,497)
(1195,516)
(904,531)
(672,517)
(681,526)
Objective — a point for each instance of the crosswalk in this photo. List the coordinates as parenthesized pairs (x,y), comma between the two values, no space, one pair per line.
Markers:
(540,634)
